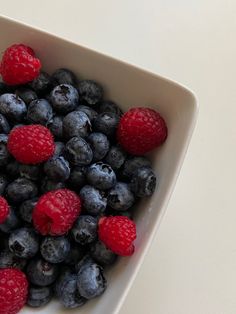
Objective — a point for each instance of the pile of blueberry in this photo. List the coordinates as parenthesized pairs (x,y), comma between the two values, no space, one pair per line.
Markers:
(87,160)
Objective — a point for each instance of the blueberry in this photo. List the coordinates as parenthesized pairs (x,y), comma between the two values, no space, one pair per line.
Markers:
(101,176)
(9,260)
(56,126)
(55,249)
(57,169)
(78,151)
(26,94)
(91,113)
(3,183)
(24,242)
(99,144)
(120,197)
(39,112)
(75,255)
(76,123)
(31,172)
(101,254)
(143,182)
(42,273)
(64,98)
(3,138)
(94,202)
(26,209)
(12,222)
(77,177)
(39,296)
(4,154)
(64,76)
(107,123)
(90,91)
(109,106)
(59,148)
(4,125)
(84,230)
(91,281)
(20,190)
(67,291)
(48,185)
(42,83)
(12,107)
(12,169)
(115,157)
(132,164)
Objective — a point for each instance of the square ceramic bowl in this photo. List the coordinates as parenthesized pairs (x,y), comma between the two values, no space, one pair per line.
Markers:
(129,86)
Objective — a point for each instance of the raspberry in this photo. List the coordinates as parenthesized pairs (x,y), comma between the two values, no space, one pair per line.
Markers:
(13,290)
(118,234)
(19,65)
(56,212)
(4,209)
(31,144)
(141,130)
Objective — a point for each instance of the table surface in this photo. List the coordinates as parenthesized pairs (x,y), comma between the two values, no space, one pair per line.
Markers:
(191,266)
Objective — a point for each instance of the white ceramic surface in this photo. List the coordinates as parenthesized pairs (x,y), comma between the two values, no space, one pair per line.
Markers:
(128,86)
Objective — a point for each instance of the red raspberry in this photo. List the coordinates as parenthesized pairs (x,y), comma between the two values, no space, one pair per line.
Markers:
(141,130)
(31,144)
(4,209)
(118,234)
(56,212)
(19,65)
(13,290)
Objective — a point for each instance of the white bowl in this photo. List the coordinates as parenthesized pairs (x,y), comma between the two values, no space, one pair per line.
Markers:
(129,86)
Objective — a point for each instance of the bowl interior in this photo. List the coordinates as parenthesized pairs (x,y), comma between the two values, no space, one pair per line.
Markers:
(129,87)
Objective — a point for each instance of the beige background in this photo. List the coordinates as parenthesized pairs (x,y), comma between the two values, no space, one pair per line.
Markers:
(191,267)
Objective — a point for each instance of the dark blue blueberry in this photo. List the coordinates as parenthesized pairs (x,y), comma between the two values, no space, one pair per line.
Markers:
(120,197)
(67,291)
(91,281)
(49,185)
(26,94)
(90,91)
(55,249)
(24,242)
(57,169)
(77,177)
(101,176)
(31,172)
(99,144)
(56,126)
(26,209)
(39,112)
(4,125)
(12,107)
(94,202)
(76,123)
(87,259)
(109,106)
(59,148)
(20,190)
(64,76)
(12,169)
(9,260)
(39,296)
(101,254)
(64,98)
(84,230)
(3,183)
(91,113)
(143,182)
(12,222)
(75,255)
(42,83)
(42,273)
(4,154)
(107,123)
(132,164)
(3,138)
(115,157)
(78,152)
